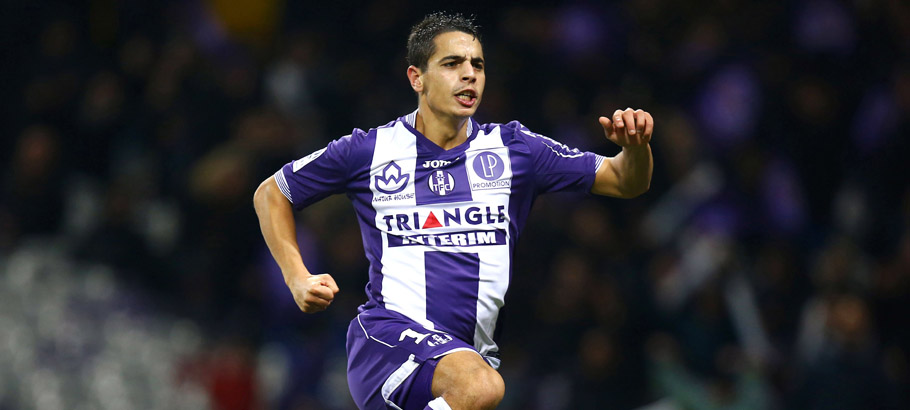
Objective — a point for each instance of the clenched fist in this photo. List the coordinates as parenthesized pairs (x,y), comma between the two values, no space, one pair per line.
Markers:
(313,293)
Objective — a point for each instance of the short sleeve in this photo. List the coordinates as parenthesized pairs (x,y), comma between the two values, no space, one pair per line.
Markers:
(322,173)
(557,167)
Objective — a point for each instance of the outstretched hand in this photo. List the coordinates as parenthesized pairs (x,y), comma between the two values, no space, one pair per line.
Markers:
(628,128)
(313,293)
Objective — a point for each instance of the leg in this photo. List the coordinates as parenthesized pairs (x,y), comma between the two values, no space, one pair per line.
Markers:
(467,382)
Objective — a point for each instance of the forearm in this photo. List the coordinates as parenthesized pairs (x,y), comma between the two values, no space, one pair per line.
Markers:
(276,220)
(633,167)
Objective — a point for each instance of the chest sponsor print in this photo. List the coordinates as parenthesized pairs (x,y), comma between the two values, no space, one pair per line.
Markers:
(490,170)
(391,180)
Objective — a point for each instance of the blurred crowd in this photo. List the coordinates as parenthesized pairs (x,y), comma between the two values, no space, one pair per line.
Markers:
(767,267)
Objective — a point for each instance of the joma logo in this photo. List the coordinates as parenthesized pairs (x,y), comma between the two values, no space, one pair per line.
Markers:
(436,163)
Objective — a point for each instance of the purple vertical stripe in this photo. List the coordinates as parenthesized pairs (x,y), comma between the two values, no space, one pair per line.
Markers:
(452,290)
(444,184)
(361,196)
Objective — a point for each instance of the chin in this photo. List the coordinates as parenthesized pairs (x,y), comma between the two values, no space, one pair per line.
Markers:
(466,112)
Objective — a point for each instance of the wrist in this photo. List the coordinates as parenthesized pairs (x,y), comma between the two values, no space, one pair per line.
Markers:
(295,275)
(636,149)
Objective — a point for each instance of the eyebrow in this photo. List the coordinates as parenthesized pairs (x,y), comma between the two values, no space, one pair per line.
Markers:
(453,57)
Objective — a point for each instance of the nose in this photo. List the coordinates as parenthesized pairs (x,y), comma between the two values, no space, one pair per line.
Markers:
(468,73)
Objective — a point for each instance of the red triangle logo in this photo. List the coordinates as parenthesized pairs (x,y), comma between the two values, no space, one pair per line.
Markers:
(432,222)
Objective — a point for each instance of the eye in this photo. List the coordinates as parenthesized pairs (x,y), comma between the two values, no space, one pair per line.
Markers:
(449,64)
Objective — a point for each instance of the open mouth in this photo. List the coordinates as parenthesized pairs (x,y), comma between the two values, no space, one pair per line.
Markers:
(466,98)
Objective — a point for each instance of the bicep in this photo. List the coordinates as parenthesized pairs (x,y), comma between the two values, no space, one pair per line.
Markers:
(269,199)
(558,167)
(606,180)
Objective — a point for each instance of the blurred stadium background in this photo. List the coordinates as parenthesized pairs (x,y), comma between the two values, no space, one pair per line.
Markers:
(768,267)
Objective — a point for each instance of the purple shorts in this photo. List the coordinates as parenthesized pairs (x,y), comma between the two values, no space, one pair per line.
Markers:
(391,360)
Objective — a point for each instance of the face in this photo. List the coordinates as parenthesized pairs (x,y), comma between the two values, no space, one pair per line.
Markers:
(453,82)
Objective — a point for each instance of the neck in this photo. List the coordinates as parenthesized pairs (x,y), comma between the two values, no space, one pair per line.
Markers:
(446,132)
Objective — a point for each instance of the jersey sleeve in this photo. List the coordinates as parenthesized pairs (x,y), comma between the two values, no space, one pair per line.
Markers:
(558,167)
(316,176)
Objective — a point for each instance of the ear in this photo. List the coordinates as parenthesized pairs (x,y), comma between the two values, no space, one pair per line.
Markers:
(414,77)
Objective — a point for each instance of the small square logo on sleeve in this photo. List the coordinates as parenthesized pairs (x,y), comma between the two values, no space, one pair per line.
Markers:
(306,160)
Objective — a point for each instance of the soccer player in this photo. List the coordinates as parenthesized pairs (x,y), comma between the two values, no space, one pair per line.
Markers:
(441,201)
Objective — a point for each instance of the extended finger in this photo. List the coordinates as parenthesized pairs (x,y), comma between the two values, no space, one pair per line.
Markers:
(605,122)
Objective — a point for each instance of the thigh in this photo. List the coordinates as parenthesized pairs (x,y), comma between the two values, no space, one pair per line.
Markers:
(466,381)
(392,359)
(458,368)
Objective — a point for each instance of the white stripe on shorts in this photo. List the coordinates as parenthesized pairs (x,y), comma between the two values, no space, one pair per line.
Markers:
(439,404)
(398,377)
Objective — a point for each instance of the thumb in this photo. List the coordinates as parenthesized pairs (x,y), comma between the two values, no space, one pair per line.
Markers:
(609,132)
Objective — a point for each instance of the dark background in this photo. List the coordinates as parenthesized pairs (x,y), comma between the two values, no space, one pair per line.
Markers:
(767,267)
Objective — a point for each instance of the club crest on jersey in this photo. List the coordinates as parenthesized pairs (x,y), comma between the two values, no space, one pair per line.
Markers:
(441,183)
(392,181)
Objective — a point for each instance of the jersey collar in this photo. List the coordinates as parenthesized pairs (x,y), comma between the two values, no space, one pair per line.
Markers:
(410,122)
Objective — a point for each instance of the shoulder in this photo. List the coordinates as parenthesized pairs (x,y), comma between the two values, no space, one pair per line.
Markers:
(513,133)
(538,143)
(507,130)
(360,144)
(368,137)
(360,139)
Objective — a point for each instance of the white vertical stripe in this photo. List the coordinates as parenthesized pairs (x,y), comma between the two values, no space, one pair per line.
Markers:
(494,260)
(398,377)
(402,291)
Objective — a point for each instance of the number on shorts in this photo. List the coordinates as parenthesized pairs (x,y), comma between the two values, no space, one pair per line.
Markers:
(412,333)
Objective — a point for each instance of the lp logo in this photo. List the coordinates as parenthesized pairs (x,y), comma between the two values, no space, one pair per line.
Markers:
(488,166)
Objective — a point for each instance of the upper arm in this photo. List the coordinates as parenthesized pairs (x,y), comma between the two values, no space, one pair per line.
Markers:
(266,190)
(268,194)
(606,181)
(558,167)
(317,175)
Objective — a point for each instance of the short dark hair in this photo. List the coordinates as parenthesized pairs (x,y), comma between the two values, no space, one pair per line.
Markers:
(421,43)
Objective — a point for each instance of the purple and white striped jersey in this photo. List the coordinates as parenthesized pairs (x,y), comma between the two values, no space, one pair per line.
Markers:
(439,226)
